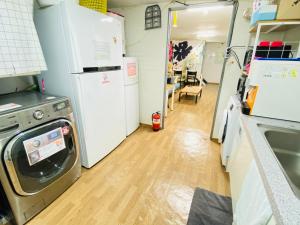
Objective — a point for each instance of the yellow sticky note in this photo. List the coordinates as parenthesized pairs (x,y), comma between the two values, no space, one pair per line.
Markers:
(294,73)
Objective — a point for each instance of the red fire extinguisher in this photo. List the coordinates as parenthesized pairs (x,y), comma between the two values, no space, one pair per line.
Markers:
(156,121)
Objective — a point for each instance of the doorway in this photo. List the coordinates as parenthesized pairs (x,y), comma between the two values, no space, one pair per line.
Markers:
(198,36)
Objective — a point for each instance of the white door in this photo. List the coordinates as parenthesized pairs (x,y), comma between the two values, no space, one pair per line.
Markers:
(103,112)
(96,38)
(132,108)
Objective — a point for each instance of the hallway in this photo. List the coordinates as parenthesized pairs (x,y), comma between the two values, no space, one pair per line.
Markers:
(150,178)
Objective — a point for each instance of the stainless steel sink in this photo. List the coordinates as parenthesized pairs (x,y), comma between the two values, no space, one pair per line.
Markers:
(285,144)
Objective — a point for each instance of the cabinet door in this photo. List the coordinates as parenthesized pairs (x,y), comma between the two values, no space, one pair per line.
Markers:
(253,206)
(238,164)
(239,167)
(20,50)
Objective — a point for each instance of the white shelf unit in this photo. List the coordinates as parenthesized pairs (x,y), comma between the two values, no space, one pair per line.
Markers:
(276,28)
(268,27)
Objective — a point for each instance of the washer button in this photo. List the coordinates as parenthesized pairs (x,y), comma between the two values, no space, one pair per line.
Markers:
(38,114)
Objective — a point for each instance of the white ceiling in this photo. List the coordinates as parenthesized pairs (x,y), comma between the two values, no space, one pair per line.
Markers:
(125,3)
(207,23)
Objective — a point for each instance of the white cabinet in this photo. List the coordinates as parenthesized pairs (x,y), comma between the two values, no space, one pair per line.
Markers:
(249,198)
(239,163)
(20,50)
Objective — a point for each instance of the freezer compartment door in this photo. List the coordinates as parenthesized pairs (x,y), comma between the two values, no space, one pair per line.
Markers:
(131,75)
(103,113)
(132,108)
(97,38)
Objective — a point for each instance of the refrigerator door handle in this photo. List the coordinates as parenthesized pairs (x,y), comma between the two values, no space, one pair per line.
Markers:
(101,69)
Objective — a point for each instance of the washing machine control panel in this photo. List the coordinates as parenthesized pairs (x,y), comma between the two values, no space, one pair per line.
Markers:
(43,113)
(38,114)
(30,117)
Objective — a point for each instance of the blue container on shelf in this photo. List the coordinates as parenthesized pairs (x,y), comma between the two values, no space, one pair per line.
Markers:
(265,12)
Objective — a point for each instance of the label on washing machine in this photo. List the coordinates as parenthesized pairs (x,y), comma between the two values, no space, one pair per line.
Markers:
(44,146)
(9,106)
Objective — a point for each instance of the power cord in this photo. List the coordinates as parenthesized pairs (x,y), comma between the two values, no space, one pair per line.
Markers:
(230,52)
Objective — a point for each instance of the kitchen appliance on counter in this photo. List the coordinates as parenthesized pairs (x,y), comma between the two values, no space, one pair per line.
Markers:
(132,105)
(229,128)
(83,50)
(241,87)
(274,89)
(39,151)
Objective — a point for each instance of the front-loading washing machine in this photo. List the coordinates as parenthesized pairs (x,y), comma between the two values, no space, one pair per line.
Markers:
(39,151)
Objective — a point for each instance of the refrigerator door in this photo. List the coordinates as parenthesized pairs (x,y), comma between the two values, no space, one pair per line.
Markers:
(96,38)
(122,21)
(132,108)
(130,70)
(101,97)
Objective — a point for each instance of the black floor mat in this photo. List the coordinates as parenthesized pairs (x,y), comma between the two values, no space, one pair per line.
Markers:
(210,209)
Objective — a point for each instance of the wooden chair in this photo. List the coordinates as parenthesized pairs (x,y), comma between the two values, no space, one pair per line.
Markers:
(201,80)
(191,78)
(180,80)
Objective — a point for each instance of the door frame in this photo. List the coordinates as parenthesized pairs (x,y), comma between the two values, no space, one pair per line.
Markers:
(235,5)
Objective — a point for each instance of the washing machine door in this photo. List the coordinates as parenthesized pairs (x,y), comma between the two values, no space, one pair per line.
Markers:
(37,157)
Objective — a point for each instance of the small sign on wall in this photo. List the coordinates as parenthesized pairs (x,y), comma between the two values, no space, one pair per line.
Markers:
(131,69)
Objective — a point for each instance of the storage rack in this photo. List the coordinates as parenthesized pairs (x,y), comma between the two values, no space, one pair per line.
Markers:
(266,27)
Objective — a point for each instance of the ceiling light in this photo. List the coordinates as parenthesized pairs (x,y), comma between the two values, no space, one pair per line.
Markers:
(206,27)
(209,33)
(205,9)
(174,18)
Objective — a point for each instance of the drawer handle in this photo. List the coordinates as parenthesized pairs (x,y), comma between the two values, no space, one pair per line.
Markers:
(6,129)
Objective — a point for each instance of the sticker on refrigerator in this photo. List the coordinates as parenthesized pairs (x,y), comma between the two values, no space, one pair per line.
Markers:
(9,106)
(102,50)
(44,146)
(131,69)
(105,79)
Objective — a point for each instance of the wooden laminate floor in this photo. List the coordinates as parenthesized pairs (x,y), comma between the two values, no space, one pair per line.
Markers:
(150,178)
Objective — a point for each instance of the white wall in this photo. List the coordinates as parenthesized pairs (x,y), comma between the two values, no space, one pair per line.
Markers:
(213,61)
(150,49)
(149,46)
(232,72)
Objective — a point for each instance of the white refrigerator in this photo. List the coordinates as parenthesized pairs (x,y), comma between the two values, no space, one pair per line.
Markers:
(83,51)
(131,84)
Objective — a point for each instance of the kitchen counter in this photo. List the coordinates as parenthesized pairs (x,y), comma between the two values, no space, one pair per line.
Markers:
(284,203)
